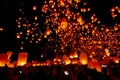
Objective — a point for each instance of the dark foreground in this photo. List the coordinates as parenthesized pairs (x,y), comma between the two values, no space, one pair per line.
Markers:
(60,72)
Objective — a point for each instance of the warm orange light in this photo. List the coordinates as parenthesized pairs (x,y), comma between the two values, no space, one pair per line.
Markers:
(45,36)
(22,58)
(18,36)
(34,7)
(3,59)
(83,59)
(116,59)
(75,55)
(63,23)
(48,31)
(112,9)
(1,29)
(79,19)
(77,1)
(118,10)
(66,59)
(116,28)
(94,64)
(71,55)
(36,17)
(107,52)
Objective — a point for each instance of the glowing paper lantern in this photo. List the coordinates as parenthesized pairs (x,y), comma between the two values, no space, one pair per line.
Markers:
(34,7)
(116,28)
(116,59)
(118,10)
(97,66)
(79,19)
(48,31)
(75,55)
(83,59)
(63,23)
(22,58)
(107,52)
(112,9)
(94,64)
(66,59)
(3,59)
(36,17)
(71,55)
(18,36)
(1,29)
(74,61)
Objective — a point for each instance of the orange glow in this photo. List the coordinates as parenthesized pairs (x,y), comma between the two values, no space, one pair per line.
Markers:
(3,59)
(22,58)
(63,23)
(28,31)
(118,10)
(74,61)
(65,29)
(75,55)
(45,36)
(36,17)
(71,55)
(116,59)
(48,31)
(79,19)
(34,7)
(1,29)
(83,59)
(116,28)
(113,9)
(66,59)
(18,36)
(77,1)
(94,64)
(107,52)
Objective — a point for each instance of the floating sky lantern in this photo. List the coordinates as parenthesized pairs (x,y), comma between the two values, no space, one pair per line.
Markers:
(75,55)
(48,31)
(107,52)
(116,59)
(63,23)
(71,55)
(1,29)
(18,36)
(22,58)
(34,7)
(116,28)
(118,10)
(66,60)
(36,17)
(94,64)
(3,59)
(79,19)
(83,59)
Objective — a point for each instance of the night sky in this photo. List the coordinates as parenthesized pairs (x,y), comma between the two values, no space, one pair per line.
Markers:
(9,12)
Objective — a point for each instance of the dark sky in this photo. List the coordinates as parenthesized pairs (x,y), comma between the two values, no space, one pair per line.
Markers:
(8,16)
(7,21)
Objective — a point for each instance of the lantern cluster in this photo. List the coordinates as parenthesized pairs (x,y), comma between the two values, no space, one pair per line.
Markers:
(66,26)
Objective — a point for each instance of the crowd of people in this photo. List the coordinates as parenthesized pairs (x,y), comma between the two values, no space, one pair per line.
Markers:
(60,72)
